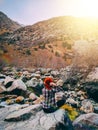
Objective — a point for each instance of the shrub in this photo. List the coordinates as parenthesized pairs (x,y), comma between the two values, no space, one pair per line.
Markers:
(49,46)
(42,46)
(28,52)
(57,54)
(67,45)
(36,49)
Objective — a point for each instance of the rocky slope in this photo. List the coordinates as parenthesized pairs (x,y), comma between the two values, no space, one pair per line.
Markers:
(59,28)
(6,24)
(47,43)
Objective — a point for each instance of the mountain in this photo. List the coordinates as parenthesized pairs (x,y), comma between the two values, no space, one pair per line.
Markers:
(47,43)
(6,24)
(58,28)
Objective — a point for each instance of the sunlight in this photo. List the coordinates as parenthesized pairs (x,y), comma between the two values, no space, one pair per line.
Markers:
(86,8)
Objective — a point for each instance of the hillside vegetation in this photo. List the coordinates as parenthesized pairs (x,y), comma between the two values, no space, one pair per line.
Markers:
(47,43)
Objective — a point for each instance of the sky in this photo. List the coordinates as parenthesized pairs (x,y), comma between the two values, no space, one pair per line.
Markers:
(28,12)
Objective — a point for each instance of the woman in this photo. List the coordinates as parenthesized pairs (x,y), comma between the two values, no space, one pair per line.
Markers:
(49,103)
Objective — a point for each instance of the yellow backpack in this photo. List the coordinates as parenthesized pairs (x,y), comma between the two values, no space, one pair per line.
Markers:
(72,113)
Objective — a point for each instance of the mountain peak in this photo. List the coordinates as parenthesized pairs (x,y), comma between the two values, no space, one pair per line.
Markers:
(6,24)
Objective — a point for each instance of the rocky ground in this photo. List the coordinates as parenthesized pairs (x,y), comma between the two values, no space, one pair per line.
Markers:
(21,96)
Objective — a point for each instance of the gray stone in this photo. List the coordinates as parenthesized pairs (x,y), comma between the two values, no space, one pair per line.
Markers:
(86,122)
(34,82)
(56,121)
(96,109)
(17,84)
(55,73)
(93,75)
(38,120)
(23,114)
(87,106)
(2,88)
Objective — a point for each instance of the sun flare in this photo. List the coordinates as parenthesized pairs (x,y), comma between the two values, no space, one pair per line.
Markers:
(86,8)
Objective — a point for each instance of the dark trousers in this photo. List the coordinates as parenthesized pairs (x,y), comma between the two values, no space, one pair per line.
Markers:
(60,103)
(49,110)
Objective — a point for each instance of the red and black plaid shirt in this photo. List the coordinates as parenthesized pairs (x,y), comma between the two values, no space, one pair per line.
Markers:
(49,96)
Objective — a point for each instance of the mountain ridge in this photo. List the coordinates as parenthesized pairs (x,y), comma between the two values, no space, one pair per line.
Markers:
(6,24)
(47,41)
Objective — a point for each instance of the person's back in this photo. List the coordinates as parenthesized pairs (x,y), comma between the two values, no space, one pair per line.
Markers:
(49,103)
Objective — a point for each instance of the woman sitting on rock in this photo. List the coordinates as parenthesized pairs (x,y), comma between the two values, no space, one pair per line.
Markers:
(49,91)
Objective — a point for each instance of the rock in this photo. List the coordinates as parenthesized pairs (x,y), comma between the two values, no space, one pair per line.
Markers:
(39,100)
(72,80)
(6,97)
(44,71)
(96,109)
(87,106)
(25,78)
(23,117)
(16,107)
(79,93)
(23,114)
(91,84)
(32,96)
(9,101)
(8,81)
(38,72)
(25,73)
(55,73)
(19,99)
(60,82)
(47,75)
(36,85)
(37,75)
(72,102)
(19,84)
(82,98)
(49,70)
(2,78)
(32,83)
(2,88)
(92,90)
(3,104)
(86,122)
(56,121)
(93,75)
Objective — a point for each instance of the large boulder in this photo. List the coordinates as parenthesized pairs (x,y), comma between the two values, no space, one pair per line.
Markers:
(87,106)
(91,84)
(18,87)
(23,114)
(33,118)
(86,122)
(34,82)
(92,90)
(19,84)
(36,85)
(93,75)
(56,121)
